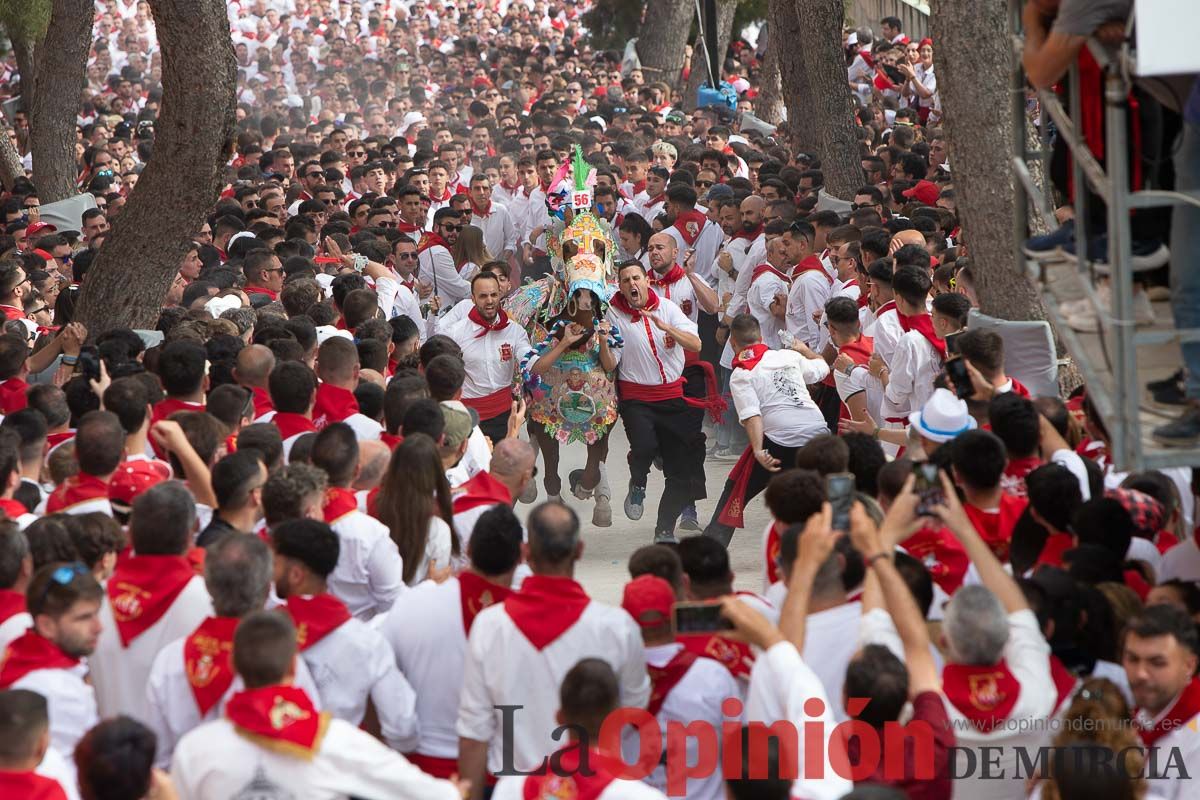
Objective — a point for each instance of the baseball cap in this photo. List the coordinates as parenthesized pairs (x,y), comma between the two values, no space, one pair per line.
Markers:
(926,192)
(458,423)
(719,191)
(133,478)
(675,117)
(648,599)
(38,228)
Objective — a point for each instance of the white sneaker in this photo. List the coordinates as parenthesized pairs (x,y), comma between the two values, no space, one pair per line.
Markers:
(1088,321)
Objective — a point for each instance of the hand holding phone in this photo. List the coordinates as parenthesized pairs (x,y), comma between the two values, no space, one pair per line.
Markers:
(927,484)
(839,489)
(956,370)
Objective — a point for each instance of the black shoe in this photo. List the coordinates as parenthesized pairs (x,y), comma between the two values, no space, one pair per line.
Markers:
(664,537)
(1170,395)
(1183,432)
(1174,380)
(722,533)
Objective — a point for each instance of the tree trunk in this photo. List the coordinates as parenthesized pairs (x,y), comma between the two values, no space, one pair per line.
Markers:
(662,40)
(768,106)
(831,105)
(133,271)
(53,99)
(785,29)
(976,39)
(699,73)
(10,161)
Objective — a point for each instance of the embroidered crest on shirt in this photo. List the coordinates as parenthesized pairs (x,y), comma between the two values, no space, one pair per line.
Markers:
(506,352)
(669,341)
(128,603)
(686,307)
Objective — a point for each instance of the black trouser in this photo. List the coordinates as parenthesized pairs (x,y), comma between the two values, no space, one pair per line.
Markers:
(696,387)
(495,428)
(829,402)
(662,428)
(756,483)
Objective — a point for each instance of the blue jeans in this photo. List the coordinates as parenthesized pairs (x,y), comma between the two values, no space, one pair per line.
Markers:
(1185,255)
(730,433)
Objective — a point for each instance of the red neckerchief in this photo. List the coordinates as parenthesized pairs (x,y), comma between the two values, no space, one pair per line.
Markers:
(12,395)
(208,660)
(12,312)
(316,617)
(12,509)
(635,314)
(271,293)
(1181,713)
(1019,389)
(942,555)
(571,778)
(28,785)
(262,401)
(811,264)
(477,593)
(30,652)
(690,224)
(890,305)
(142,589)
(1018,468)
(763,269)
(481,212)
(407,227)
(742,233)
(984,694)
(165,408)
(996,529)
(333,404)
(339,502)
(280,718)
(481,489)
(859,350)
(734,656)
(545,607)
(923,324)
(392,440)
(663,679)
(444,198)
(749,357)
(498,324)
(668,278)
(510,188)
(75,490)
(430,240)
(290,424)
(639,187)
(1064,680)
(53,440)
(11,604)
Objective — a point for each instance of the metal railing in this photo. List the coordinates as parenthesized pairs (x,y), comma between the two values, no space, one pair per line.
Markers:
(1120,405)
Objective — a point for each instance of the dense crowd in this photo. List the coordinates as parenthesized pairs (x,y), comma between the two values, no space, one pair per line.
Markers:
(275,547)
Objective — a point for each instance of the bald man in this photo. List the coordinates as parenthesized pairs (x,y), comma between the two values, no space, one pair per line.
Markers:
(253,368)
(678,282)
(504,480)
(373,457)
(905,237)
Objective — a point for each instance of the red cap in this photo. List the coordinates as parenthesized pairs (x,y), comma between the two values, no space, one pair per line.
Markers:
(38,228)
(134,477)
(925,192)
(46,254)
(648,599)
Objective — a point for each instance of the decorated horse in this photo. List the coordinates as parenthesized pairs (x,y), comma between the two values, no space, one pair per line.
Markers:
(571,385)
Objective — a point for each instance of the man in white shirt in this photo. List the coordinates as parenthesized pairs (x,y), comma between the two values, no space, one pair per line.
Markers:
(369,568)
(338,369)
(909,380)
(16,567)
(154,597)
(348,659)
(692,230)
(767,295)
(677,282)
(770,393)
(273,742)
(193,676)
(436,262)
(811,284)
(492,346)
(513,463)
(687,687)
(650,203)
(1160,657)
(499,232)
(581,768)
(64,601)
(997,683)
(658,419)
(519,650)
(428,627)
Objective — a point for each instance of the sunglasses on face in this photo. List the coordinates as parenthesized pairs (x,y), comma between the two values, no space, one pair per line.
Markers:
(407,256)
(452,228)
(704,184)
(356,154)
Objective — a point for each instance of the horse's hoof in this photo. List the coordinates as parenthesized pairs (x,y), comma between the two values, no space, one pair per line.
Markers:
(575,479)
(530,494)
(602,513)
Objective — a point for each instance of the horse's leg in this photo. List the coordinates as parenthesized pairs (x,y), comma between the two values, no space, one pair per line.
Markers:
(595,476)
(549,448)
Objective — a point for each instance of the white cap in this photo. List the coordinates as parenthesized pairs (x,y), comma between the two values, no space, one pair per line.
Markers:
(219,305)
(325,332)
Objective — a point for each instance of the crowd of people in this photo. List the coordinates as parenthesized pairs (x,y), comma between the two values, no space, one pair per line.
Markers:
(288,543)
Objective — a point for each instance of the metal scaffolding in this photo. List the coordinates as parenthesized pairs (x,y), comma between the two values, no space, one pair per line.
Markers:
(1120,405)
